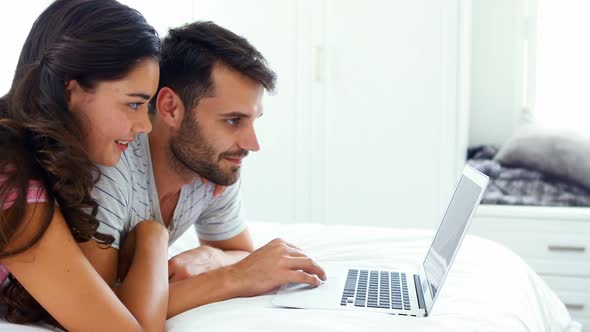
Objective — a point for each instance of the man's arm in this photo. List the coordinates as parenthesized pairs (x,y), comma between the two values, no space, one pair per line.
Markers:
(222,232)
(240,242)
(209,256)
(266,269)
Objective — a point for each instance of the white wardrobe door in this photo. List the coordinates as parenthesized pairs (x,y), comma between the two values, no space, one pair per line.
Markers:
(390,109)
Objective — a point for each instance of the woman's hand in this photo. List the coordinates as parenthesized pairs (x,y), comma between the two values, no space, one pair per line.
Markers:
(143,231)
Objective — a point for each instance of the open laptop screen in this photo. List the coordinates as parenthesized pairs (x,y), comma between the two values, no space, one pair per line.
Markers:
(446,241)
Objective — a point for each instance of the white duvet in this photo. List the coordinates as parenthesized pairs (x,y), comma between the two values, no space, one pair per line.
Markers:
(489,288)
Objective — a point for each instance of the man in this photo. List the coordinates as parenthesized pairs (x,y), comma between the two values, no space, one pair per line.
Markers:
(187,172)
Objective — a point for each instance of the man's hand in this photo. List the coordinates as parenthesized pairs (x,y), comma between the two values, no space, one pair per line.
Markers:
(193,262)
(273,265)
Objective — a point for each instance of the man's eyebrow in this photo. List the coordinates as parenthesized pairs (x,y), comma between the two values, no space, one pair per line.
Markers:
(140,95)
(238,115)
(235,115)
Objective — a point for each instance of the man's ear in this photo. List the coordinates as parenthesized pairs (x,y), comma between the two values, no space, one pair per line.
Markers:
(169,107)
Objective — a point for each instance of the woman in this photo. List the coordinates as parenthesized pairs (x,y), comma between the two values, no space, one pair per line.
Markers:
(84,76)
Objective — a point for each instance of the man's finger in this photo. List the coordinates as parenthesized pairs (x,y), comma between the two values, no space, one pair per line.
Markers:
(307,265)
(302,277)
(295,252)
(289,244)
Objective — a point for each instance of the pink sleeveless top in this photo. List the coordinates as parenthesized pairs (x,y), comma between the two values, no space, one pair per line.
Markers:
(35,194)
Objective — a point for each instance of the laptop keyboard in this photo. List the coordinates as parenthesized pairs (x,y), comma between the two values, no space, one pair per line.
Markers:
(376,289)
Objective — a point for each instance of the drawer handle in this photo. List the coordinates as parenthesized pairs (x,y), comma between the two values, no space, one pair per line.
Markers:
(574,306)
(567,248)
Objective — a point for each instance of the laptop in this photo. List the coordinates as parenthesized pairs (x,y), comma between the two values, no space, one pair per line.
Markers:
(410,293)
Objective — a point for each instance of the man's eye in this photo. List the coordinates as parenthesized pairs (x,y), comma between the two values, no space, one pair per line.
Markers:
(233,122)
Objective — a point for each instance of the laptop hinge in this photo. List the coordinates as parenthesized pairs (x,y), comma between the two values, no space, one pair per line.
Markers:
(419,294)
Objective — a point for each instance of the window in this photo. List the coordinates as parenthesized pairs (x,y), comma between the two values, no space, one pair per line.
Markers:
(562,83)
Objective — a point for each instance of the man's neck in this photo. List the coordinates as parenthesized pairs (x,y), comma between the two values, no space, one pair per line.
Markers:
(169,182)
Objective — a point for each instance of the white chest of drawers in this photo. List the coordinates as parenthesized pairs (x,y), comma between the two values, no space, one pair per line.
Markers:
(554,241)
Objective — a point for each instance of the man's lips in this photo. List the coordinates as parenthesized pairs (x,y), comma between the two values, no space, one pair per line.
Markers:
(237,161)
(235,157)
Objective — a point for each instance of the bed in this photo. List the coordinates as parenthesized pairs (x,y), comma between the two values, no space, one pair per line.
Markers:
(520,185)
(539,191)
(479,294)
(489,288)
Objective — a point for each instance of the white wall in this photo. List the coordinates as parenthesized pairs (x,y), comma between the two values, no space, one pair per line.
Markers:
(498,38)
(16,19)
(163,15)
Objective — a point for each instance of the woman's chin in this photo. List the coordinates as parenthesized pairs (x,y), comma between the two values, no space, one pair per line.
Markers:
(108,160)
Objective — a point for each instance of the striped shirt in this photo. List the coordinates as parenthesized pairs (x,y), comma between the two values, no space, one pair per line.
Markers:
(126,194)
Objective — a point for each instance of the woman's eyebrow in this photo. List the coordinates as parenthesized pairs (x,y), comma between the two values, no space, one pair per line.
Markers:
(140,95)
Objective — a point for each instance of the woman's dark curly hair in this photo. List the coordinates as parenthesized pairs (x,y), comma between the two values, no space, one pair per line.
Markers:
(84,40)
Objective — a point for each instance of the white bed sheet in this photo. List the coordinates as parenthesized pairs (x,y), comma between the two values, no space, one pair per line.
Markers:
(489,288)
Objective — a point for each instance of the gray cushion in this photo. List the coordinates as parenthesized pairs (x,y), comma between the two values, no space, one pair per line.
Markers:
(560,153)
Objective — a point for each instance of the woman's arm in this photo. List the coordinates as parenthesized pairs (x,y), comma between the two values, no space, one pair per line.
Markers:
(142,276)
(60,278)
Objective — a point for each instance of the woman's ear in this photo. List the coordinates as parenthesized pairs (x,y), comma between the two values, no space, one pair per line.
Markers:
(74,94)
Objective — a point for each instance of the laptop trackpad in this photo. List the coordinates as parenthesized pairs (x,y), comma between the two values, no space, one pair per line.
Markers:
(326,295)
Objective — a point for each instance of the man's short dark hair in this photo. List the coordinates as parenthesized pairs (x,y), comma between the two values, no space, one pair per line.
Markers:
(190,52)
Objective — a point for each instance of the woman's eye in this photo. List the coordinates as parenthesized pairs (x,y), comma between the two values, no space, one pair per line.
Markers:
(233,122)
(135,106)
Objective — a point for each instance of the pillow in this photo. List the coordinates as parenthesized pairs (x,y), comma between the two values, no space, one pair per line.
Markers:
(560,153)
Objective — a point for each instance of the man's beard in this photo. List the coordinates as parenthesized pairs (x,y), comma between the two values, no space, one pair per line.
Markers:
(192,155)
